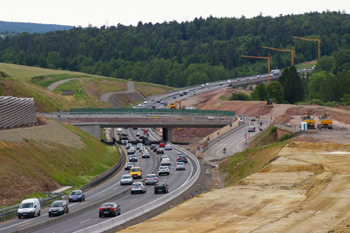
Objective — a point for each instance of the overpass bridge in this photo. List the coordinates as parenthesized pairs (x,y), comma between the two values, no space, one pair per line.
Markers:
(92,120)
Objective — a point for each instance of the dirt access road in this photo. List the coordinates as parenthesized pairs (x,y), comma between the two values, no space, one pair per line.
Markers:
(307,189)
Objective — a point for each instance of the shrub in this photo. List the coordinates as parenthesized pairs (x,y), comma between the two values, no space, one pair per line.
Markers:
(239,96)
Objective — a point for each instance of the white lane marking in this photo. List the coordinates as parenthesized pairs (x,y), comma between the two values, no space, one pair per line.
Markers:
(86,220)
(17,224)
(133,200)
(72,204)
(148,191)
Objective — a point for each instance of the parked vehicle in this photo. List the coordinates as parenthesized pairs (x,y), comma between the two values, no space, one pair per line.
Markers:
(138,187)
(151,179)
(109,208)
(29,208)
(76,195)
(161,187)
(58,208)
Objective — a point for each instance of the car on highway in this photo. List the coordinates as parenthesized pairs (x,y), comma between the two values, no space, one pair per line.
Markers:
(238,79)
(163,170)
(141,148)
(128,165)
(220,83)
(138,187)
(152,146)
(145,154)
(126,179)
(258,76)
(138,134)
(174,97)
(164,156)
(139,105)
(161,102)
(181,158)
(29,208)
(109,208)
(138,145)
(145,102)
(131,150)
(155,148)
(136,172)
(151,179)
(152,99)
(168,147)
(58,207)
(180,166)
(228,81)
(76,195)
(161,144)
(203,85)
(141,137)
(207,84)
(251,129)
(128,145)
(160,151)
(133,158)
(165,161)
(161,187)
(165,104)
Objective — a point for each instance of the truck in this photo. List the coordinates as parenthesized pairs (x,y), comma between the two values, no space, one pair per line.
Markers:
(275,72)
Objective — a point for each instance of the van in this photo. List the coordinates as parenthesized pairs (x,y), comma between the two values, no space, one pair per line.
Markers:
(29,208)
(119,130)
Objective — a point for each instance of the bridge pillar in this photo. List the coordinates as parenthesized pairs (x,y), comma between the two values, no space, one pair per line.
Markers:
(167,134)
(93,130)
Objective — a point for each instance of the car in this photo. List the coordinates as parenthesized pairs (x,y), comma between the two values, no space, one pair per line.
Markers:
(145,102)
(174,97)
(161,102)
(182,158)
(131,150)
(109,208)
(141,137)
(258,76)
(161,144)
(138,145)
(165,104)
(139,105)
(228,81)
(141,148)
(136,172)
(58,207)
(155,148)
(128,145)
(160,151)
(128,165)
(133,158)
(126,179)
(29,208)
(194,90)
(207,84)
(138,134)
(153,145)
(145,154)
(146,142)
(168,147)
(165,161)
(76,195)
(238,79)
(220,83)
(151,179)
(138,187)
(152,99)
(180,166)
(251,129)
(163,170)
(247,78)
(134,128)
(161,187)
(203,85)
(164,156)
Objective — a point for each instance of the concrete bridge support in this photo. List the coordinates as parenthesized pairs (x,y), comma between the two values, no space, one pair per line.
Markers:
(93,130)
(167,134)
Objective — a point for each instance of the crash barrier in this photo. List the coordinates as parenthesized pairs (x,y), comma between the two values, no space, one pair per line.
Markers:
(150,110)
(15,112)
(125,217)
(104,176)
(81,210)
(10,212)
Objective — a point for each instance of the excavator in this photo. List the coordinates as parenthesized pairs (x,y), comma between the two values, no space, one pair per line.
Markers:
(173,105)
(325,122)
(268,102)
(309,120)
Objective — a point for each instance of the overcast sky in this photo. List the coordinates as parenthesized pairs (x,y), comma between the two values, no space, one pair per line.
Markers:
(98,12)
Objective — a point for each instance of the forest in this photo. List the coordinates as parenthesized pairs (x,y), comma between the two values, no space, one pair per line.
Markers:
(188,53)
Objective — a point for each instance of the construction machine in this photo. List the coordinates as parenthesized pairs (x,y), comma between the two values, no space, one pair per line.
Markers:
(268,102)
(173,105)
(325,122)
(309,120)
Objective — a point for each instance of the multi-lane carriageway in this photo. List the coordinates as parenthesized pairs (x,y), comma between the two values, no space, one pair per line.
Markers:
(110,187)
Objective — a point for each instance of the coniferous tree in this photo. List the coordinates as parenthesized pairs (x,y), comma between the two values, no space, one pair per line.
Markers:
(293,89)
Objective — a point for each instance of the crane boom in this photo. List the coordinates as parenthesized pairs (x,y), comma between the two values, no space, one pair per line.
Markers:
(292,51)
(309,39)
(268,62)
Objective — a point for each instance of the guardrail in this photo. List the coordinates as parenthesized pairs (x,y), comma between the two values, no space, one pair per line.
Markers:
(114,222)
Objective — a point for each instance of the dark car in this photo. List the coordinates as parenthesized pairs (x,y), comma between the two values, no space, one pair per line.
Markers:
(76,195)
(109,208)
(160,151)
(141,137)
(161,187)
(58,208)
(182,158)
(174,97)
(147,142)
(155,148)
(153,145)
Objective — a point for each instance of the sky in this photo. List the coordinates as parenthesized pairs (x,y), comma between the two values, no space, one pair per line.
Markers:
(130,12)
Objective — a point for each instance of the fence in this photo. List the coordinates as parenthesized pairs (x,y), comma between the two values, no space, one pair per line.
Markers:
(15,112)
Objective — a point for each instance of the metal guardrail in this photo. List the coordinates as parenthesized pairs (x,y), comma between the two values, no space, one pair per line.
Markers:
(114,222)
(10,212)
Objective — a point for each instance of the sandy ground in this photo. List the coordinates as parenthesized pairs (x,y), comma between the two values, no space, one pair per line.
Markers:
(305,190)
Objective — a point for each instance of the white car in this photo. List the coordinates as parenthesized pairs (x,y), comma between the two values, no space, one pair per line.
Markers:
(168,147)
(139,105)
(138,187)
(145,102)
(126,179)
(202,85)
(207,84)
(228,81)
(180,166)
(258,76)
(151,179)
(221,83)
(163,170)
(165,161)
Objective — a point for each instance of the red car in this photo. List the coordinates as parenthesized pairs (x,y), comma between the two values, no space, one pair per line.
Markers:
(161,144)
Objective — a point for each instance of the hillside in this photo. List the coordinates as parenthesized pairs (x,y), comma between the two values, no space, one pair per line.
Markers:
(25,81)
(7,28)
(45,157)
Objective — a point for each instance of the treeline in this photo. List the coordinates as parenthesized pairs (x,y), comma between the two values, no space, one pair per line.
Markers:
(180,54)
(12,28)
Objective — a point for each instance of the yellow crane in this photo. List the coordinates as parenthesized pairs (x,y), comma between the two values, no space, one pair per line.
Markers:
(292,51)
(268,62)
(308,39)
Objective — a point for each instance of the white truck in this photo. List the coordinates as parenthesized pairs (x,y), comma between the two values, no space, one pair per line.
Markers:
(275,72)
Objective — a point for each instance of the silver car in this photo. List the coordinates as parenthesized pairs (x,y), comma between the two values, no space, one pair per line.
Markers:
(138,145)
(180,166)
(168,147)
(138,187)
(151,179)
(163,170)
(126,179)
